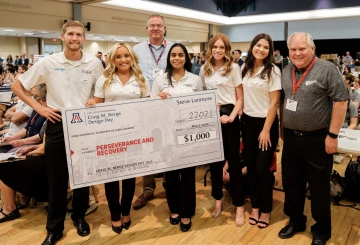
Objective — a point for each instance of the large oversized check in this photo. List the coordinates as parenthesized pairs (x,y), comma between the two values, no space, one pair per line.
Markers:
(131,138)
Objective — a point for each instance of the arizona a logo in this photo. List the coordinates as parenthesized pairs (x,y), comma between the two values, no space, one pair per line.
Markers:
(76,118)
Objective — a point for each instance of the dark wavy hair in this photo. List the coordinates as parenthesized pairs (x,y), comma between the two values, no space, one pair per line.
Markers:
(187,65)
(268,61)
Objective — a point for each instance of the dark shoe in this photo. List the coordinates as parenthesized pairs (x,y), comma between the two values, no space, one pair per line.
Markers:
(23,206)
(318,242)
(174,221)
(142,200)
(126,225)
(264,223)
(11,216)
(52,238)
(253,219)
(83,228)
(185,227)
(117,229)
(289,231)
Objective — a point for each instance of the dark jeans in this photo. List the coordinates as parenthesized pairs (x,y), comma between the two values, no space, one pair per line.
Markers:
(259,161)
(304,160)
(56,164)
(112,192)
(231,143)
(180,191)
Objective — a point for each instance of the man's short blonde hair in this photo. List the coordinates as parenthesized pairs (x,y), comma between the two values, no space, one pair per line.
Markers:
(72,23)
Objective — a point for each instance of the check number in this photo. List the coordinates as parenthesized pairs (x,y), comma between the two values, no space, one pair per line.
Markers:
(191,138)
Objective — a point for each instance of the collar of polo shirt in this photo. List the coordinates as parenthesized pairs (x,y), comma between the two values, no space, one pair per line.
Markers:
(186,75)
(162,44)
(132,78)
(84,59)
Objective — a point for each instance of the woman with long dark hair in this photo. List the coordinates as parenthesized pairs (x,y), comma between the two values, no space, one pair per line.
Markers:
(180,184)
(122,80)
(220,73)
(261,80)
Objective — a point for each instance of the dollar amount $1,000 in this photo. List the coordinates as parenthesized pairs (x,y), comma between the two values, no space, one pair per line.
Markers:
(191,138)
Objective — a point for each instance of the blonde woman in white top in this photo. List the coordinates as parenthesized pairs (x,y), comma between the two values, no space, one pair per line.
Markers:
(220,73)
(180,184)
(122,80)
(261,80)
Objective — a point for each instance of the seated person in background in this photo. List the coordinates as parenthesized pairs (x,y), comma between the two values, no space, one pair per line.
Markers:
(351,117)
(356,85)
(28,177)
(245,180)
(18,116)
(34,123)
(354,97)
(10,72)
(347,70)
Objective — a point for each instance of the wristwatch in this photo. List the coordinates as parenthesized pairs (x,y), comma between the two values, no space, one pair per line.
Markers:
(331,135)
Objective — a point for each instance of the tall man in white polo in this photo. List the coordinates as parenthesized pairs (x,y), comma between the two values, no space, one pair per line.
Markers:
(70,76)
(152,55)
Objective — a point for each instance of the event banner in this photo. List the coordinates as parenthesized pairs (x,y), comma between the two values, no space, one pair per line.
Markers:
(130,138)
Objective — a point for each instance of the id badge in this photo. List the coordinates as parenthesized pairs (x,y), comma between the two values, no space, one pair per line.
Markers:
(157,72)
(291,104)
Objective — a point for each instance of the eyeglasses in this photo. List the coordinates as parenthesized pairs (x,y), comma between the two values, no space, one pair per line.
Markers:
(37,98)
(158,26)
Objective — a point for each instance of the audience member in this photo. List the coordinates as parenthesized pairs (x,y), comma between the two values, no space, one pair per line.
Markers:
(347,59)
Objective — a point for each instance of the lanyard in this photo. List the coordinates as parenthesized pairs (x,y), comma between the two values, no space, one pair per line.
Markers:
(152,52)
(297,85)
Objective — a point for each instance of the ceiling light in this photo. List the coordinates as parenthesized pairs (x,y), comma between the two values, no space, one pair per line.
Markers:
(224,20)
(44,32)
(28,33)
(8,30)
(90,35)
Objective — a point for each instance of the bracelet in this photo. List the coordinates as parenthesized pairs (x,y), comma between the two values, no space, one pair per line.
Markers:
(331,135)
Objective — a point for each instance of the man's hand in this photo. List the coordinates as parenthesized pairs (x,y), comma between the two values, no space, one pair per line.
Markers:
(331,145)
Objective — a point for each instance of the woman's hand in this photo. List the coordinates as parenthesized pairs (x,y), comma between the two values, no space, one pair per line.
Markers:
(90,103)
(226,119)
(164,95)
(16,143)
(264,140)
(23,151)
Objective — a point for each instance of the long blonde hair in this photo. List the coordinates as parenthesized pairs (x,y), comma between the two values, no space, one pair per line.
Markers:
(227,58)
(135,70)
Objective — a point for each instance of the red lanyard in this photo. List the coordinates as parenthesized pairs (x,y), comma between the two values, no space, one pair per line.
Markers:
(33,119)
(297,85)
(157,60)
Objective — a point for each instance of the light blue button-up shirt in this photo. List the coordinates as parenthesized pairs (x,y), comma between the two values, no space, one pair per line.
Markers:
(146,58)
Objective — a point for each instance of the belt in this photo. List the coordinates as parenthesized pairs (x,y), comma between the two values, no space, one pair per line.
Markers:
(304,133)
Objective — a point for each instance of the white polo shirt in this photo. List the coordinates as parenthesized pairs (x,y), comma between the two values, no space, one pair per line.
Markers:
(69,83)
(24,108)
(257,91)
(118,91)
(189,83)
(225,85)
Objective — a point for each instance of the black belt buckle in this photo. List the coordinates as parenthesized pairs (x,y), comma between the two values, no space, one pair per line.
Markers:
(297,133)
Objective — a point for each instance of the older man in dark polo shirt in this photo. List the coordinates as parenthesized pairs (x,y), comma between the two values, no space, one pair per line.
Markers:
(314,107)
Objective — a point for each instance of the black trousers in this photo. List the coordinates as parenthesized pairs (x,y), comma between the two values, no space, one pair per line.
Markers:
(304,160)
(259,161)
(112,192)
(180,191)
(231,143)
(56,164)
